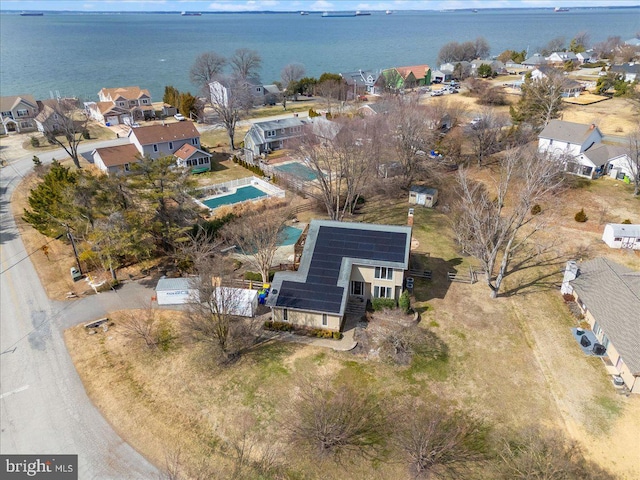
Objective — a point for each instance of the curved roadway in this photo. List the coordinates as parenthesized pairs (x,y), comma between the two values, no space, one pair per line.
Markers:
(43,405)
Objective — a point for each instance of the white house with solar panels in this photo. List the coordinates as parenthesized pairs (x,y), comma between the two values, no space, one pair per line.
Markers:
(342,266)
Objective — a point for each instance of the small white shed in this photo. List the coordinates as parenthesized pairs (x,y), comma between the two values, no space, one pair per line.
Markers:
(237,301)
(621,235)
(426,196)
(175,291)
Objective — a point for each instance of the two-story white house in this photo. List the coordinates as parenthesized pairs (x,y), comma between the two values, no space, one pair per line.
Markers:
(341,263)
(18,114)
(567,141)
(265,137)
(180,139)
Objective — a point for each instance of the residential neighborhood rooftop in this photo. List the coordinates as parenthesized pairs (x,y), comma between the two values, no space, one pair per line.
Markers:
(612,294)
(331,248)
(118,155)
(9,103)
(130,93)
(165,133)
(569,132)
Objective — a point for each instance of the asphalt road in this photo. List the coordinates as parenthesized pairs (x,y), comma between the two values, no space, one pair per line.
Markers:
(43,405)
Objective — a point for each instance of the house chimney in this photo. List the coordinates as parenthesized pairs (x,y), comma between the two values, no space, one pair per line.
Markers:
(571,272)
(593,125)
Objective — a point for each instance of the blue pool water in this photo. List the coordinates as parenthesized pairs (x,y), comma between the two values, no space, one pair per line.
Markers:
(248,192)
(297,170)
(289,236)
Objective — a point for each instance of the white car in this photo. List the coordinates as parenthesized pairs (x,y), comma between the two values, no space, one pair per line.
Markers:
(179,117)
(437,93)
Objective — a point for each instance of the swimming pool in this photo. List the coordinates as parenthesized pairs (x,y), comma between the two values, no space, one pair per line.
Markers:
(288,236)
(297,170)
(248,192)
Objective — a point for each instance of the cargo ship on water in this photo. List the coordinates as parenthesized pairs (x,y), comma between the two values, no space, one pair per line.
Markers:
(31,14)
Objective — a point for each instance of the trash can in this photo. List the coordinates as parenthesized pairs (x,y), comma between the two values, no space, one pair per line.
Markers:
(75,274)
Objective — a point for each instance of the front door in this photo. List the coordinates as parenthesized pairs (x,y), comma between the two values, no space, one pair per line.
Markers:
(357,289)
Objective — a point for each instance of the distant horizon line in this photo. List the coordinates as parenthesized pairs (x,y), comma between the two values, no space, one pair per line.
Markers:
(204,12)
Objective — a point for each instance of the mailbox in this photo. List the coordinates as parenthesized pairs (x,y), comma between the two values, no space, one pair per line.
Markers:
(75,274)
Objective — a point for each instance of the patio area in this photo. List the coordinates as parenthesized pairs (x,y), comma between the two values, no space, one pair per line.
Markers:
(588,342)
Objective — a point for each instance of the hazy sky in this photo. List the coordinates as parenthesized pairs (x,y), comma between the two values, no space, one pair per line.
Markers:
(292,5)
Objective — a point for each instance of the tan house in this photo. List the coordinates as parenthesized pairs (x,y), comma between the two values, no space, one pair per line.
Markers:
(609,296)
(18,114)
(135,102)
(342,264)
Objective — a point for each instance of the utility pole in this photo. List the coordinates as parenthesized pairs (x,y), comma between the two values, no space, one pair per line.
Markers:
(75,251)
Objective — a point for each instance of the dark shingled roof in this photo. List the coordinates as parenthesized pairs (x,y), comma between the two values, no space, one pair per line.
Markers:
(331,248)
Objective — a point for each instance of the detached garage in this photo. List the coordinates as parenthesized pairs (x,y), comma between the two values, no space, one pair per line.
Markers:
(175,291)
(237,301)
(622,235)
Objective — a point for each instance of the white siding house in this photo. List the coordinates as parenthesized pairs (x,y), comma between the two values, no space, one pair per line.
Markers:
(620,235)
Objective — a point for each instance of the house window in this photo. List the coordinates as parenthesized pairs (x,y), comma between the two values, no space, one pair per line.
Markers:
(271,133)
(145,101)
(201,161)
(384,273)
(285,315)
(551,142)
(325,320)
(7,114)
(382,292)
(170,145)
(155,147)
(194,141)
(357,288)
(127,167)
(22,113)
(121,104)
(25,124)
(617,239)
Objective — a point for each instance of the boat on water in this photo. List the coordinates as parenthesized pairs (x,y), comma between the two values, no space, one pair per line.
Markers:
(362,14)
(304,13)
(338,14)
(31,14)
(560,9)
(388,12)
(190,14)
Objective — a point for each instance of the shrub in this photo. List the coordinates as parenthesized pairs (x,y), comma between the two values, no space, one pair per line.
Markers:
(164,338)
(278,326)
(38,163)
(337,335)
(626,222)
(382,303)
(405,302)
(313,113)
(86,135)
(568,297)
(35,143)
(581,216)
(536,209)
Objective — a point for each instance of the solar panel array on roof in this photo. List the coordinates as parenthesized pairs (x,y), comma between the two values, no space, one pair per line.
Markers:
(320,291)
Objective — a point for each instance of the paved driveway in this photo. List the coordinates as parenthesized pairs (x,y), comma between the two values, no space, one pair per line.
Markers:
(43,405)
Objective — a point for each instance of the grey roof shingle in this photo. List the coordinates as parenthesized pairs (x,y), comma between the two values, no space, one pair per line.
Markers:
(611,292)
(569,132)
(601,153)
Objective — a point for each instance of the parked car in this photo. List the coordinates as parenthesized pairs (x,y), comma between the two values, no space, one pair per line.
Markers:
(179,117)
(437,93)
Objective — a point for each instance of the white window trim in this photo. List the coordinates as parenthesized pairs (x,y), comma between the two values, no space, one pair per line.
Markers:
(155,147)
(325,320)
(383,273)
(285,315)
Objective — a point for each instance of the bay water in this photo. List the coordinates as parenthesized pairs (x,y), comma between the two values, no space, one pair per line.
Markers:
(78,54)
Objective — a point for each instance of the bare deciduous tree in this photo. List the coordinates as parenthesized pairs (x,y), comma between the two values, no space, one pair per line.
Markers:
(486,135)
(70,128)
(206,68)
(291,73)
(633,159)
(412,133)
(212,316)
(493,225)
(340,155)
(437,443)
(142,325)
(257,236)
(246,64)
(333,421)
(230,98)
(545,456)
